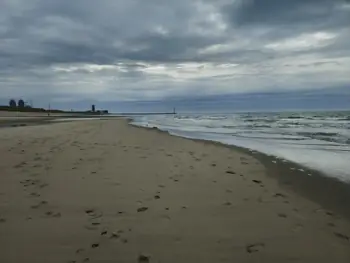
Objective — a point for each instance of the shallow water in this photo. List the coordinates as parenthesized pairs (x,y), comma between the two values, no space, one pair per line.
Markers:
(319,140)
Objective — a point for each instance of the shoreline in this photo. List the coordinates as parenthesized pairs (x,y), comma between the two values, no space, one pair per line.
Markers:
(329,192)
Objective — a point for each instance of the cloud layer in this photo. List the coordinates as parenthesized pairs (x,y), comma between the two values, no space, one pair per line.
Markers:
(132,50)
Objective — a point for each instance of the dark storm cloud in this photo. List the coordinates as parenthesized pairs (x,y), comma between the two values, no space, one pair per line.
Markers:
(50,31)
(279,19)
(86,31)
(289,12)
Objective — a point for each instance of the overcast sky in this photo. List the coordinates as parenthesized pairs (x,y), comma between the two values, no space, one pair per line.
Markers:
(110,52)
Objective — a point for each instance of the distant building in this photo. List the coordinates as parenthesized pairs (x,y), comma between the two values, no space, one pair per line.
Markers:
(21,103)
(93,108)
(13,103)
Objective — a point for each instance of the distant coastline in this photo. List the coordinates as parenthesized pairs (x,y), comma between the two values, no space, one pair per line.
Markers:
(42,110)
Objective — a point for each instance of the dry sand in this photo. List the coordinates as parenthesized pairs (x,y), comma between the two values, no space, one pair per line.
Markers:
(103,191)
(15,114)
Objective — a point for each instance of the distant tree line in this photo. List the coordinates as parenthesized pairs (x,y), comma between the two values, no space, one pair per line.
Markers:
(21,106)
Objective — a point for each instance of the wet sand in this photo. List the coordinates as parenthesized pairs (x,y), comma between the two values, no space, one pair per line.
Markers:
(104,191)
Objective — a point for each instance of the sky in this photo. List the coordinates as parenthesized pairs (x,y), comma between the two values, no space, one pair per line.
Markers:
(137,55)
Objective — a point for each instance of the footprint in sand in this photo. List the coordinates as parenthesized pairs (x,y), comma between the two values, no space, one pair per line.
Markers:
(20,165)
(256,181)
(143,259)
(256,247)
(280,195)
(156,197)
(2,220)
(329,213)
(114,236)
(35,194)
(39,205)
(43,185)
(53,214)
(230,172)
(95,245)
(142,209)
(342,236)
(29,182)
(79,250)
(282,215)
(90,211)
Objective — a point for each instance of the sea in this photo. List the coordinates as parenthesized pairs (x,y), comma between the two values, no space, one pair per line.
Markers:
(317,140)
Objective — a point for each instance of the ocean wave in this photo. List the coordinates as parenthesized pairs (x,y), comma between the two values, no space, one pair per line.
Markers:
(319,141)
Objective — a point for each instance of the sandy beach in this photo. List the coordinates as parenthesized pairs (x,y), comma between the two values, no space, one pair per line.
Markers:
(105,191)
